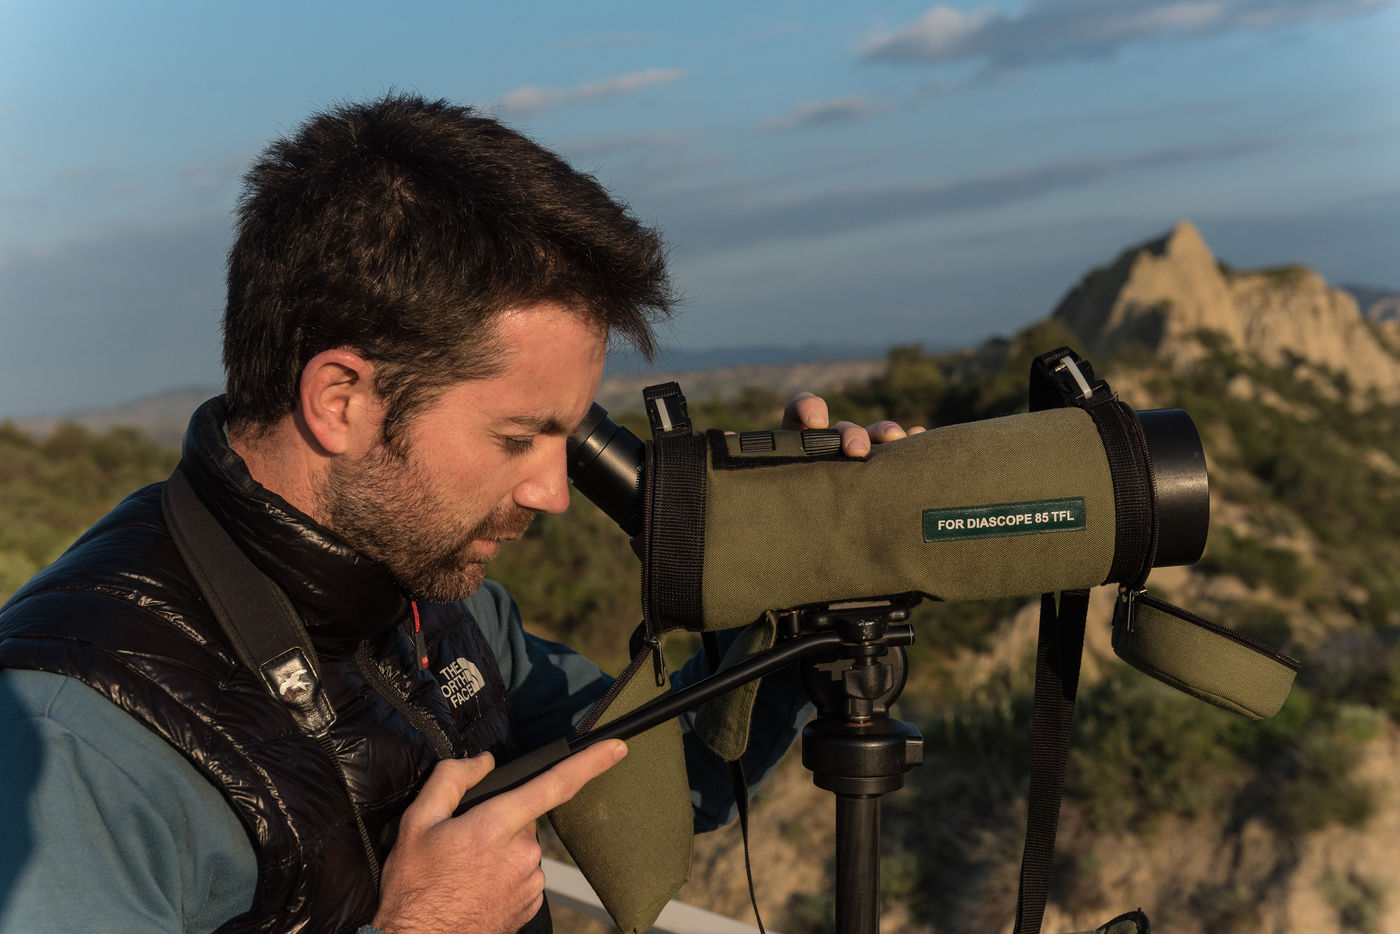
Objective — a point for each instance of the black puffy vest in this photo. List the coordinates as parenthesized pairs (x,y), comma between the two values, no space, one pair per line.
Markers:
(120,612)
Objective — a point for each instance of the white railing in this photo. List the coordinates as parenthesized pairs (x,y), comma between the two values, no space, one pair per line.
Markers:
(568,888)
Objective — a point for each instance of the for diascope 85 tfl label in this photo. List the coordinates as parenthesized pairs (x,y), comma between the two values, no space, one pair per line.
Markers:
(1000,519)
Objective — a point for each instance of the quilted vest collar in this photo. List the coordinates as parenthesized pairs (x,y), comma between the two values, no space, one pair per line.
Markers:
(342,596)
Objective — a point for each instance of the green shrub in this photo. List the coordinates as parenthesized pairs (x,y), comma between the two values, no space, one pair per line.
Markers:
(576,578)
(52,490)
(1358,899)
(960,816)
(810,914)
(1141,750)
(1304,763)
(1266,622)
(908,391)
(1232,906)
(1255,563)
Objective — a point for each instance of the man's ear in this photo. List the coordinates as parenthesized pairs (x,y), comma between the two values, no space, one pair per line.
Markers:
(338,404)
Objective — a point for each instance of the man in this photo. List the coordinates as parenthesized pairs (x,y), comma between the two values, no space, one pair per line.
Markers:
(419,303)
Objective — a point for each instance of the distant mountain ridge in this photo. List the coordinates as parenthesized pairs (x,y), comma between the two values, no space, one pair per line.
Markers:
(702,374)
(1375,303)
(1161,295)
(162,417)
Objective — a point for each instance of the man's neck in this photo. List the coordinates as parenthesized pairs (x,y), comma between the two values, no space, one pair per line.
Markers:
(285,460)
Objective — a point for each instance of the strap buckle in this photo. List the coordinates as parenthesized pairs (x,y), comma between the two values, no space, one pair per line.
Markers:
(667,410)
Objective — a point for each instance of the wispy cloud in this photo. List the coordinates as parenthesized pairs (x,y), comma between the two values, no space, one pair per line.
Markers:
(610,146)
(723,223)
(1061,30)
(833,112)
(645,163)
(535,98)
(212,183)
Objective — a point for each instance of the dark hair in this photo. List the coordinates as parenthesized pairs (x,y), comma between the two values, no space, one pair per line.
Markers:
(399,228)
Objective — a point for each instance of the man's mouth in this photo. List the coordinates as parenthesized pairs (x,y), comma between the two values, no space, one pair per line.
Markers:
(483,549)
(487,548)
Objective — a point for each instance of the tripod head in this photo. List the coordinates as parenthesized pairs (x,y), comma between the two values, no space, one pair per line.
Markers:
(869,671)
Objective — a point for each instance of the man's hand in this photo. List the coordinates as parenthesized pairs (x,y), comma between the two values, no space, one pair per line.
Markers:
(806,410)
(479,872)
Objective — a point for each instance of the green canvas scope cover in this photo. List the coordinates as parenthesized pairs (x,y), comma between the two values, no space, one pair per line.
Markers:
(737,525)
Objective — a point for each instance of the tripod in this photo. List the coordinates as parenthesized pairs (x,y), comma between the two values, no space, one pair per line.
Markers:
(852,664)
(853,747)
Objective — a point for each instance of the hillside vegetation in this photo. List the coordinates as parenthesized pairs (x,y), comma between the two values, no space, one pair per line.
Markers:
(1207,821)
(51,490)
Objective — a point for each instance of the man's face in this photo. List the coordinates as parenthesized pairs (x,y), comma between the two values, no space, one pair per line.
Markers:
(476,464)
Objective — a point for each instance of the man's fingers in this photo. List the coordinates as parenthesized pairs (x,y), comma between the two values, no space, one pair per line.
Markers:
(443,791)
(805,410)
(880,432)
(550,789)
(855,440)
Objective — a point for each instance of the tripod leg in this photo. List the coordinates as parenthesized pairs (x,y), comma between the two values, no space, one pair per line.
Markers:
(858,864)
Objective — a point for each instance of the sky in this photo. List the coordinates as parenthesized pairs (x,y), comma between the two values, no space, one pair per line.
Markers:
(873,174)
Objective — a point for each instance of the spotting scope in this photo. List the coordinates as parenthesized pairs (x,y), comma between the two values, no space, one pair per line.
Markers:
(1081,491)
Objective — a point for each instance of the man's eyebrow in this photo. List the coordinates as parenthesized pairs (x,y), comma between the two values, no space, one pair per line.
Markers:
(540,424)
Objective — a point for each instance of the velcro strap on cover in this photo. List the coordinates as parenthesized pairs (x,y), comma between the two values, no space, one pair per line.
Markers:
(1133,507)
(673,562)
(630,830)
(1217,665)
(1060,379)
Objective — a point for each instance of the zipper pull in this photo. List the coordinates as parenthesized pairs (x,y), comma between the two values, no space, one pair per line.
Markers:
(644,639)
(419,645)
(658,661)
(1125,610)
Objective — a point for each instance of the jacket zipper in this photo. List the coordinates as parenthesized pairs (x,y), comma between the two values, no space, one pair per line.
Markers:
(418,718)
(324,738)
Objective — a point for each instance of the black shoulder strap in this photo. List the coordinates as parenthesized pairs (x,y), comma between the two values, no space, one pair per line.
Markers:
(265,631)
(1057,659)
(1059,379)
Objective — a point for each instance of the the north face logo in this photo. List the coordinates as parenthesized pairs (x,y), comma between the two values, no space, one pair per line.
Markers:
(461,681)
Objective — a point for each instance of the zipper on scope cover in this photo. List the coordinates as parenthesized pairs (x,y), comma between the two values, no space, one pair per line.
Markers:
(1130,597)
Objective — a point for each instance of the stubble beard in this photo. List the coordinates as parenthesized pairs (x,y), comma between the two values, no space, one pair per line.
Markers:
(383,506)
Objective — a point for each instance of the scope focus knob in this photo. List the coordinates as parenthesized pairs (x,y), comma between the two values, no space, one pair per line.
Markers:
(819,441)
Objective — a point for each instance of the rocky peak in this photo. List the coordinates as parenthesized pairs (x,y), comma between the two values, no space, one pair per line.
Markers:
(1163,293)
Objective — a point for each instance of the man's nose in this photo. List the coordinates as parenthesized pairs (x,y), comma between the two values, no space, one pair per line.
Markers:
(547,488)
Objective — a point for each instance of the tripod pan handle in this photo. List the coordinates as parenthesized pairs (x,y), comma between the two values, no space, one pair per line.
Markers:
(515,773)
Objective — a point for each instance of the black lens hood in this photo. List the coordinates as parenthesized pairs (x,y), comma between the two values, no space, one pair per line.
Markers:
(1182,486)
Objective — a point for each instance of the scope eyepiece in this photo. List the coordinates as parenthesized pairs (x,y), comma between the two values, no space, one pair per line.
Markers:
(605,464)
